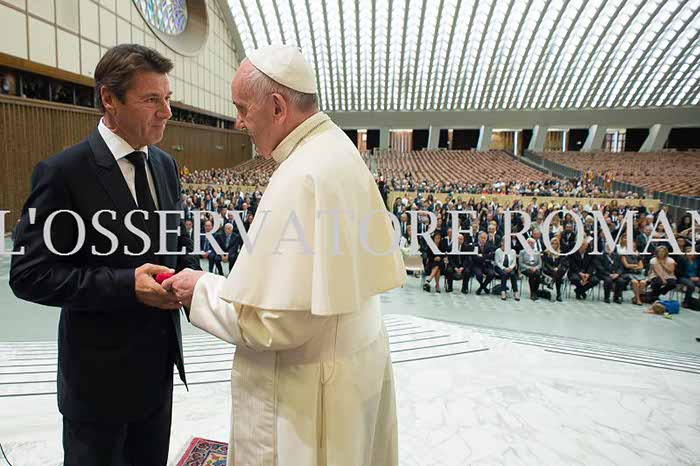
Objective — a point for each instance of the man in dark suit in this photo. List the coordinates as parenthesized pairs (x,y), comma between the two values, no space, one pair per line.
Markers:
(482,262)
(458,265)
(609,268)
(208,251)
(230,243)
(582,270)
(119,333)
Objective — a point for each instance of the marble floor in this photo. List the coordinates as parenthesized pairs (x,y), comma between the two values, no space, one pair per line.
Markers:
(466,395)
(479,382)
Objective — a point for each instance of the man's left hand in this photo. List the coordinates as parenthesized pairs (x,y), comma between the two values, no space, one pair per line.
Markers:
(182,285)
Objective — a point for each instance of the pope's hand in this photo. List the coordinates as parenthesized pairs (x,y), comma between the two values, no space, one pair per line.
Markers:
(182,285)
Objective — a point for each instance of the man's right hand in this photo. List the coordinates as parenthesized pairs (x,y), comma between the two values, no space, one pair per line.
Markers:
(149,292)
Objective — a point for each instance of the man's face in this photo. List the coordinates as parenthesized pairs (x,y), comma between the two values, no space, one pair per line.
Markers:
(188,225)
(140,119)
(207,226)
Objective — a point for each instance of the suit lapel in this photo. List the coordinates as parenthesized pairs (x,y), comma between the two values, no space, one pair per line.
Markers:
(110,175)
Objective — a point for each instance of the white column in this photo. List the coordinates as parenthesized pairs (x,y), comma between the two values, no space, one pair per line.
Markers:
(564,139)
(383,138)
(538,134)
(658,134)
(433,137)
(595,138)
(516,147)
(484,138)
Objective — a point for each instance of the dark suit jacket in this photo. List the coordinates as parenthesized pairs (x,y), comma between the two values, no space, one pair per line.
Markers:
(578,264)
(115,354)
(604,266)
(235,243)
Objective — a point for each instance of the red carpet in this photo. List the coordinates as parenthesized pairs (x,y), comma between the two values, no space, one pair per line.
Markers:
(203,452)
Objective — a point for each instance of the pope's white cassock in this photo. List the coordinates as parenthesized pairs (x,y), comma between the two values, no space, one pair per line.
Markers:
(312,381)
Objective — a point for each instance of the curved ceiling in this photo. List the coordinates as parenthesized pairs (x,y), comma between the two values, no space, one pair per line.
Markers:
(451,55)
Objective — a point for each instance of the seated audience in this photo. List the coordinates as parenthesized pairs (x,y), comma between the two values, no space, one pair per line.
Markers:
(458,266)
(507,269)
(482,262)
(662,273)
(633,269)
(435,263)
(688,274)
(230,243)
(582,270)
(530,265)
(609,269)
(555,266)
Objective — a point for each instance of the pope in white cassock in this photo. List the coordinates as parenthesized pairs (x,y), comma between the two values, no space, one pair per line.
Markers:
(312,382)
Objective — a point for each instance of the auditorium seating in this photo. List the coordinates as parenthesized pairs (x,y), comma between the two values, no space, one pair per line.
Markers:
(456,166)
(666,171)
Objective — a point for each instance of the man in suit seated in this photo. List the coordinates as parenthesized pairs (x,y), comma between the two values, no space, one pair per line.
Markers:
(582,270)
(208,251)
(230,243)
(482,262)
(609,269)
(568,238)
(458,266)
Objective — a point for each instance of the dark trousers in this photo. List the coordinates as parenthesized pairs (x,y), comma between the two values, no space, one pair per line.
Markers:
(534,279)
(215,262)
(484,276)
(575,279)
(505,276)
(140,443)
(557,277)
(451,275)
(658,288)
(689,288)
(608,284)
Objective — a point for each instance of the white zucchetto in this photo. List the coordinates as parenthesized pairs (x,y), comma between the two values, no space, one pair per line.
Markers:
(286,65)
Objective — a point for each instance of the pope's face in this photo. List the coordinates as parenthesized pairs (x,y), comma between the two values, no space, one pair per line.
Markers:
(255,113)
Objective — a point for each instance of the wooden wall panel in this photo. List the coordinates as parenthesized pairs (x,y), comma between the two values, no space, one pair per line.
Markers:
(32,130)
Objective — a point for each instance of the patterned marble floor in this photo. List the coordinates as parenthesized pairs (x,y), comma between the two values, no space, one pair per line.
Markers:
(479,381)
(466,394)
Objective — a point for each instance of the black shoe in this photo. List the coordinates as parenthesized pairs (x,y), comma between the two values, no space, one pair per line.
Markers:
(448,290)
(584,295)
(618,300)
(426,287)
(579,296)
(535,298)
(465,291)
(478,292)
(606,300)
(559,299)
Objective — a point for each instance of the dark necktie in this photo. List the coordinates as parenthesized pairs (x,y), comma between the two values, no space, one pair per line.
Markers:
(144,198)
(505,262)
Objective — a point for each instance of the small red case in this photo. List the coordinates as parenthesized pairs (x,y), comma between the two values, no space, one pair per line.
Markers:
(161,277)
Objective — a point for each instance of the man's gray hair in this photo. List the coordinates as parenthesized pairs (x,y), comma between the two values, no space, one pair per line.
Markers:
(262,85)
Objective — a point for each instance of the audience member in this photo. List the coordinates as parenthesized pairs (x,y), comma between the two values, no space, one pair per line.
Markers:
(662,273)
(506,269)
(555,266)
(609,269)
(530,264)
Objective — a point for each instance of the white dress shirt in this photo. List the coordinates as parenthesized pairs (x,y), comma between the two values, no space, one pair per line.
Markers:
(120,149)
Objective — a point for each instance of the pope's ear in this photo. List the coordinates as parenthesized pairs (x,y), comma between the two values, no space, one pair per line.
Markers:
(281,108)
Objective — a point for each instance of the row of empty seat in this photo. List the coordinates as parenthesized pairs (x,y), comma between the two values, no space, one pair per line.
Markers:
(667,172)
(455,166)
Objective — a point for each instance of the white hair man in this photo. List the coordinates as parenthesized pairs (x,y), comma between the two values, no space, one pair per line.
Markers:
(312,382)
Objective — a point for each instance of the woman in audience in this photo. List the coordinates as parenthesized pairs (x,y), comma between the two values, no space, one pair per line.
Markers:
(662,272)
(633,269)
(506,268)
(435,263)
(530,265)
(554,265)
(555,227)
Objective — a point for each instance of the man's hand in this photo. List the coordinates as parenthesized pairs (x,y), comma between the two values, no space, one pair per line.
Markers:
(149,292)
(205,255)
(181,286)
